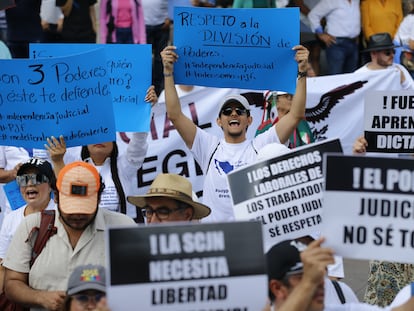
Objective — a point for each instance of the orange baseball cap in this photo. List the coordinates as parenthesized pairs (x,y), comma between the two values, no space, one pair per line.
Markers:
(78,184)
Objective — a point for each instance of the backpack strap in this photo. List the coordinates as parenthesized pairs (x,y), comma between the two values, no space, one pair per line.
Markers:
(43,233)
(339,291)
(211,158)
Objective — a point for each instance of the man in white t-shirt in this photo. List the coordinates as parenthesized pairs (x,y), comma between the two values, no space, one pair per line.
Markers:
(218,156)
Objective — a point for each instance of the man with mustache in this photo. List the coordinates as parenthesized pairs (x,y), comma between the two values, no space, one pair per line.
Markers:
(80,226)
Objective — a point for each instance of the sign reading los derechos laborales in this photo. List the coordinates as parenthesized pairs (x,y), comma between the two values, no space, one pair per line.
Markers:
(369,207)
(284,193)
(241,48)
(186,267)
(129,71)
(389,121)
(67,96)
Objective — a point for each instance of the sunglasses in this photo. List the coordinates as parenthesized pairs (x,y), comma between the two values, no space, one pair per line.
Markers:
(389,52)
(162,212)
(229,110)
(85,299)
(33,179)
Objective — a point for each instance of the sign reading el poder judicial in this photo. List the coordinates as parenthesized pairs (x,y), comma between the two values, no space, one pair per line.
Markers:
(187,267)
(369,207)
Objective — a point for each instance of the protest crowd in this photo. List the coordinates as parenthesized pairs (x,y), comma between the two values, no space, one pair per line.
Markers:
(259,212)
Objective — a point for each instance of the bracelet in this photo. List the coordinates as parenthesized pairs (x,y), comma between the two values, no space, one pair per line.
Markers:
(302,74)
(168,74)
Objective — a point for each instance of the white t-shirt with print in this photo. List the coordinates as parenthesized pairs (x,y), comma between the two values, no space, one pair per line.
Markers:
(226,158)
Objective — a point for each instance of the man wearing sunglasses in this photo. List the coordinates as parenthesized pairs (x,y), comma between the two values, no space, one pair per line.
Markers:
(218,156)
(169,198)
(381,49)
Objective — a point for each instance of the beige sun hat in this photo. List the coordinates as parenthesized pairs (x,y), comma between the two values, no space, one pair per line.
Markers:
(175,187)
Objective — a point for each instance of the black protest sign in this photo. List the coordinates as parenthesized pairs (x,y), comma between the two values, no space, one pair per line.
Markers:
(389,121)
(369,207)
(284,193)
(187,266)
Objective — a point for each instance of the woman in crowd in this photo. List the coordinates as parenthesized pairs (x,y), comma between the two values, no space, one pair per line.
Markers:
(118,170)
(122,21)
(37,183)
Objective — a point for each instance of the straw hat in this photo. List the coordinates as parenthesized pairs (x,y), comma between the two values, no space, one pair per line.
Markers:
(175,187)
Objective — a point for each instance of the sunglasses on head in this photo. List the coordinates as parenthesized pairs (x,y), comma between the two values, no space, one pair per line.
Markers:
(388,52)
(33,179)
(229,110)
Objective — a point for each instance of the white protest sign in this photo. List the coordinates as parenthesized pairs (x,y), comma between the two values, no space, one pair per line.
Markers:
(369,207)
(285,192)
(389,121)
(187,267)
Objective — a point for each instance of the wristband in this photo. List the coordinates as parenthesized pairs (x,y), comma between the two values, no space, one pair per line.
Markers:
(302,74)
(168,74)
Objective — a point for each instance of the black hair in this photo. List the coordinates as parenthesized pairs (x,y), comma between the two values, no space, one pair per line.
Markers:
(114,172)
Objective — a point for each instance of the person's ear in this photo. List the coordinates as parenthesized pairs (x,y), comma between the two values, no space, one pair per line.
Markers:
(249,120)
(189,213)
(55,196)
(278,289)
(218,122)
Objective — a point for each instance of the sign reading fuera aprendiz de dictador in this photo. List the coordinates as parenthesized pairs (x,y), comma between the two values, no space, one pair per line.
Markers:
(389,121)
(187,267)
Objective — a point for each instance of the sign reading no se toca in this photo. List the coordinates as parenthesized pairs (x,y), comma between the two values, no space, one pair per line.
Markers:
(369,207)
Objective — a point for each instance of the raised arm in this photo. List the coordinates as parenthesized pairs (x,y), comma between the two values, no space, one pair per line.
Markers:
(57,149)
(9,175)
(184,125)
(287,124)
(315,260)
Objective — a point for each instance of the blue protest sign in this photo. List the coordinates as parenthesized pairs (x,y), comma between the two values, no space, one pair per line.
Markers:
(129,69)
(67,96)
(239,48)
(12,191)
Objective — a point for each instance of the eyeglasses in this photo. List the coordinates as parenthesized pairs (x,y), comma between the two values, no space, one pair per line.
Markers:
(229,110)
(162,212)
(33,179)
(85,299)
(388,52)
